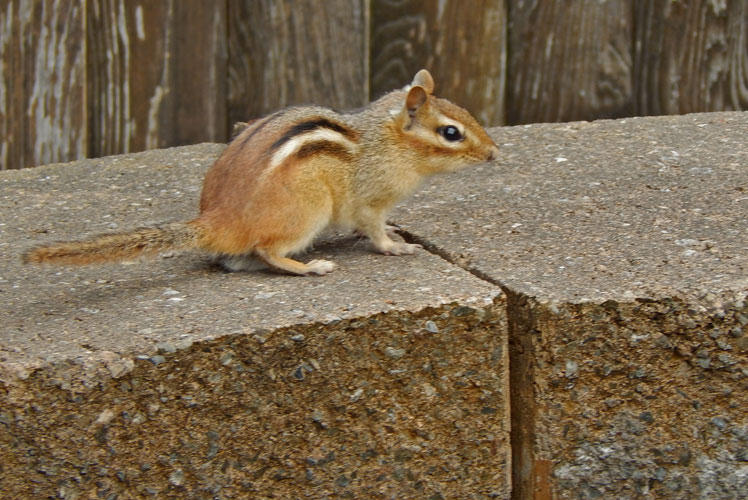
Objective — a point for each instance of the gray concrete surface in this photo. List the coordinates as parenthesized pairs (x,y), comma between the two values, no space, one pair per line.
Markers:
(623,249)
(176,296)
(592,211)
(607,260)
(173,379)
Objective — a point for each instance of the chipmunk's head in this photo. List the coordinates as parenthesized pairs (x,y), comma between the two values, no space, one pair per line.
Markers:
(445,136)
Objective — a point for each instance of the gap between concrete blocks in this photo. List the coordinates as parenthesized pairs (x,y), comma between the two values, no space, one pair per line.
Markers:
(530,477)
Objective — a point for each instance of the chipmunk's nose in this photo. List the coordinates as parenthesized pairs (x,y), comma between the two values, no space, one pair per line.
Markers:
(493,153)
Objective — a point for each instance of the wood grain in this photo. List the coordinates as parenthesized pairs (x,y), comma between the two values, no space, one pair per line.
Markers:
(12,118)
(197,110)
(120,97)
(92,78)
(43,115)
(285,52)
(690,56)
(569,60)
(156,74)
(463,44)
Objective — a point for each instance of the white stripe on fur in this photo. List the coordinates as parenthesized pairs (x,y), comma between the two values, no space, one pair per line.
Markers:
(296,143)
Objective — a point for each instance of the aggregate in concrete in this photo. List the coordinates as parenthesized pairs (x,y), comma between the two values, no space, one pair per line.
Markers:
(620,247)
(623,249)
(174,379)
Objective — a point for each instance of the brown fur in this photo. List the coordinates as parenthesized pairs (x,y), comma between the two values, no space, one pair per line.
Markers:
(289,175)
(117,246)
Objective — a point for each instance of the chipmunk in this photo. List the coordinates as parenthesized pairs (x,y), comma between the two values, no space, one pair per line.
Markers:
(293,173)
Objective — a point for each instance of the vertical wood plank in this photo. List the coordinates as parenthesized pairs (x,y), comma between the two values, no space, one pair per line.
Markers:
(42,87)
(284,52)
(125,70)
(463,44)
(569,60)
(690,56)
(199,74)
(156,73)
(12,118)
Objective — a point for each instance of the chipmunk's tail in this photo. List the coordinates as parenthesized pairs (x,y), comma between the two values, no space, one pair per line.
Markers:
(118,246)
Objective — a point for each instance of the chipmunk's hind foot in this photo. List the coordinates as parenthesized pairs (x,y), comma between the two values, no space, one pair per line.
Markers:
(319,267)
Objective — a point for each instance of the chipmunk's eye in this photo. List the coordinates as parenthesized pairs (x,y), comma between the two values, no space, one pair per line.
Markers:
(450,133)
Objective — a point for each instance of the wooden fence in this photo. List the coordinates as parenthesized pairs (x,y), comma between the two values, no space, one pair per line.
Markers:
(96,77)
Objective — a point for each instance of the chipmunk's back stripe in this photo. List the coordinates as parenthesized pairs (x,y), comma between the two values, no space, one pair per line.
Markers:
(259,126)
(309,126)
(324,147)
(304,138)
(319,139)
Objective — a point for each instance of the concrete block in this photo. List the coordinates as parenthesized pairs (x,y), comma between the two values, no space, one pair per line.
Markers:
(622,247)
(173,379)
(611,254)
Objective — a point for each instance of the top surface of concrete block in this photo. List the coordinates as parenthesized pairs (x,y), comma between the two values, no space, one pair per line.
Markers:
(104,315)
(572,212)
(641,207)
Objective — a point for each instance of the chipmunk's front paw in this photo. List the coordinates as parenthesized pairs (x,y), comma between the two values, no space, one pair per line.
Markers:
(320,267)
(398,248)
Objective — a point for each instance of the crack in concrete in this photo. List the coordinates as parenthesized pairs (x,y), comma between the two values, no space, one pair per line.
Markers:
(433,249)
(529,476)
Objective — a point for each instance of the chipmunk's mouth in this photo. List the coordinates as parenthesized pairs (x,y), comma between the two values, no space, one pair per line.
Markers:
(493,154)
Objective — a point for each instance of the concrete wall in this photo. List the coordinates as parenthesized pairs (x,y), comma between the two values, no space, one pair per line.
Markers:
(574,328)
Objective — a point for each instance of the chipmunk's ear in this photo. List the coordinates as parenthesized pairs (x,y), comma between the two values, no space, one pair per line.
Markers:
(415,100)
(423,79)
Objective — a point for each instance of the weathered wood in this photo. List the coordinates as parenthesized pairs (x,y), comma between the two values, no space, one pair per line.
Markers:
(569,60)
(101,77)
(462,43)
(198,109)
(43,113)
(156,74)
(12,118)
(285,52)
(118,37)
(690,56)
